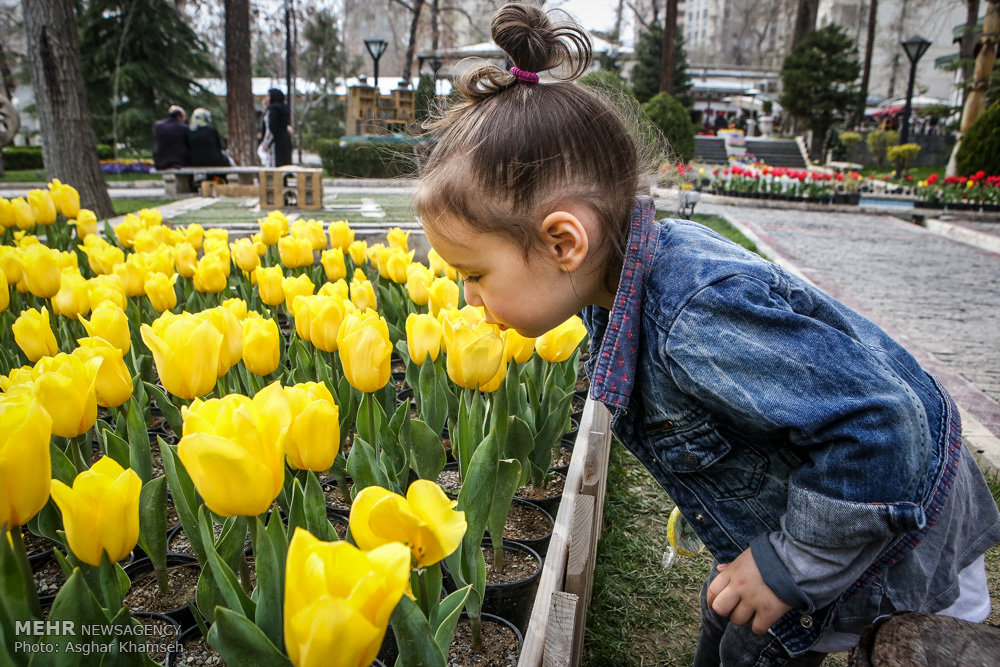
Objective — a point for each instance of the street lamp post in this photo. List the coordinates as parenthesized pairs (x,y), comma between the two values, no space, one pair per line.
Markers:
(436,66)
(376,47)
(915,47)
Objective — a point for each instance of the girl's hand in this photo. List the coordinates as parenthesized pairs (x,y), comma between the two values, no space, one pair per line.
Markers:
(739,593)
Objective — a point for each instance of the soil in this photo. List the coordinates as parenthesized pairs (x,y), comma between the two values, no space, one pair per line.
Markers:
(172,518)
(517,566)
(195,651)
(449,481)
(145,594)
(340,526)
(526,523)
(564,457)
(500,646)
(33,544)
(335,498)
(582,382)
(577,404)
(49,577)
(555,488)
(159,633)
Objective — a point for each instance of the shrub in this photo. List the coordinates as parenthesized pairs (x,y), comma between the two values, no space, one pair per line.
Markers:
(902,156)
(672,119)
(980,148)
(367,159)
(23,157)
(879,142)
(606,81)
(849,140)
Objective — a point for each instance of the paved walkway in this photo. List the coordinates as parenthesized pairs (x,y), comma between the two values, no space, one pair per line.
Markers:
(939,297)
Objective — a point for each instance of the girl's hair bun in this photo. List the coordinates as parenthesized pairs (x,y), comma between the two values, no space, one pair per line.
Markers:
(536,43)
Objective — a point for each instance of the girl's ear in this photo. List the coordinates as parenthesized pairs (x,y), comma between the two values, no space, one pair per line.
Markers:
(566,239)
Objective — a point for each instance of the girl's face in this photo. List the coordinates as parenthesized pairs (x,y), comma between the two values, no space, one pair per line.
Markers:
(529,294)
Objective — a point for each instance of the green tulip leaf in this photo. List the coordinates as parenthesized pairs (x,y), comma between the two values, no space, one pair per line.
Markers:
(208,596)
(225,578)
(18,595)
(520,443)
(117,448)
(317,522)
(184,496)
(240,642)
(427,454)
(170,411)
(446,617)
(76,603)
(416,642)
(297,507)
(370,418)
(476,495)
(62,467)
(153,524)
(269,558)
(432,398)
(47,523)
(508,478)
(232,541)
(364,467)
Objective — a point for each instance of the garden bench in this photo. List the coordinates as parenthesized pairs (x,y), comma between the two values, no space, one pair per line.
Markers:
(181,181)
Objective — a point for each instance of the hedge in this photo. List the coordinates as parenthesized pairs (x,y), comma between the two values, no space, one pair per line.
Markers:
(30,157)
(980,148)
(673,120)
(368,159)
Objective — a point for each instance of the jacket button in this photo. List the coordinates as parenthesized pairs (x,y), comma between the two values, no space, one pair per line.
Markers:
(699,517)
(806,622)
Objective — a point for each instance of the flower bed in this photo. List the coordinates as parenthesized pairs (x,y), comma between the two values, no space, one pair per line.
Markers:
(978,192)
(273,370)
(765,182)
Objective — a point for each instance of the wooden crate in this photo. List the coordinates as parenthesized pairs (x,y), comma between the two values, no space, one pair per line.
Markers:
(291,187)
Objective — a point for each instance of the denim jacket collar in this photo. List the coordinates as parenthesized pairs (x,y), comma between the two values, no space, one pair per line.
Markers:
(614,370)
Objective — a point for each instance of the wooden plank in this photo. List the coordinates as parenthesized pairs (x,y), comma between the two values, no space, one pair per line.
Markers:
(558,650)
(580,566)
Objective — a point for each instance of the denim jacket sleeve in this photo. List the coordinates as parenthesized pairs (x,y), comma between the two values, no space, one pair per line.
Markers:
(740,348)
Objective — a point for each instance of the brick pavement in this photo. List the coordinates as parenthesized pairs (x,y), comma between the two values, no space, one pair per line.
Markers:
(938,297)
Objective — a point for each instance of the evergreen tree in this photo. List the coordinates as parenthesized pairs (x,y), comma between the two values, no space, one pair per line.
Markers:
(818,80)
(155,55)
(646,71)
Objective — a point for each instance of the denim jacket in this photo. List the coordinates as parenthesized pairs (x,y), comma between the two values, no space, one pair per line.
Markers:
(764,407)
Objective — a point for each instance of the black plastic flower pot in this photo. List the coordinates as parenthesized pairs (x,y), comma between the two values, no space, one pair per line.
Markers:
(182,614)
(539,545)
(549,503)
(486,618)
(177,659)
(161,644)
(566,446)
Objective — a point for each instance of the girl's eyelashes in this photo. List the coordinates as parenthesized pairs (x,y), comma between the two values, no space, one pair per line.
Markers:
(470,279)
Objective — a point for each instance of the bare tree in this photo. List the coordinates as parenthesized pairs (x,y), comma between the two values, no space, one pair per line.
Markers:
(866,69)
(669,34)
(805,20)
(69,147)
(967,47)
(239,90)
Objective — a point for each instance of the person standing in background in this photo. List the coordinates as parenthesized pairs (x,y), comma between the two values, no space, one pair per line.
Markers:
(171,149)
(277,124)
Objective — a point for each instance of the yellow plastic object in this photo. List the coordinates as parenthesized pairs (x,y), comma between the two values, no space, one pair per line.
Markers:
(681,536)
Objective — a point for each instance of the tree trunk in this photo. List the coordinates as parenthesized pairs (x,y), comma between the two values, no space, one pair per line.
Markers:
(239,92)
(967,46)
(69,148)
(866,72)
(669,37)
(411,45)
(926,640)
(805,20)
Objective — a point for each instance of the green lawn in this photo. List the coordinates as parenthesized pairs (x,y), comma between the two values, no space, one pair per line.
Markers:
(123,205)
(39,176)
(918,173)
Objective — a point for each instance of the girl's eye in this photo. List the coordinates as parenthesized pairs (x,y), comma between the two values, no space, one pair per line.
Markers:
(471,279)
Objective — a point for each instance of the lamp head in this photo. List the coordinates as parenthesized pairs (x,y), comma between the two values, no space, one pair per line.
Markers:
(915,47)
(376,47)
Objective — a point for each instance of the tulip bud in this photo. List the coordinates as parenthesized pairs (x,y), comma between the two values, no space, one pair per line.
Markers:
(126,230)
(86,223)
(295,252)
(365,350)
(341,235)
(186,351)
(66,198)
(6,214)
(423,337)
(210,275)
(312,231)
(237,307)
(66,386)
(100,511)
(272,229)
(338,599)
(159,289)
(107,288)
(333,264)
(4,292)
(261,345)
(10,264)
(293,287)
(517,347)
(560,343)
(194,234)
(25,462)
(358,250)
(33,334)
(109,322)
(338,289)
(313,438)
(362,291)
(73,298)
(133,274)
(441,267)
(150,217)
(474,354)
(245,254)
(397,238)
(186,259)
(23,216)
(418,280)
(41,270)
(114,383)
(42,207)
(269,285)
(396,263)
(442,295)
(225,323)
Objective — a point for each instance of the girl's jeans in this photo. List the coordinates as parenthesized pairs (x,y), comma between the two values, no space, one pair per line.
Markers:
(724,644)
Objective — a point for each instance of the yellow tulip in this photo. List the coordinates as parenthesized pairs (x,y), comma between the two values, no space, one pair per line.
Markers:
(25,463)
(194,234)
(295,252)
(104,258)
(33,334)
(397,238)
(150,217)
(425,520)
(322,320)
(66,198)
(233,449)
(313,438)
(186,351)
(560,343)
(100,511)
(441,267)
(272,228)
(418,280)
(186,259)
(126,230)
(6,214)
(114,383)
(442,295)
(377,255)
(261,345)
(42,207)
(66,386)
(23,216)
(86,223)
(210,275)
(41,270)
(4,292)
(362,292)
(341,235)
(245,254)
(423,337)
(358,250)
(237,307)
(225,323)
(269,281)
(109,322)
(517,347)
(159,289)
(333,264)
(338,599)
(494,383)
(474,354)
(10,264)
(133,274)
(73,298)
(107,288)
(312,230)
(396,263)
(293,287)
(338,289)
(365,350)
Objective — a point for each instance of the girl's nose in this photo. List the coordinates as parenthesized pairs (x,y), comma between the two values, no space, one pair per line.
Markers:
(472,294)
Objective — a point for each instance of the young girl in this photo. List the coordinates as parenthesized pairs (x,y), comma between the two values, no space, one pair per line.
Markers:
(822,467)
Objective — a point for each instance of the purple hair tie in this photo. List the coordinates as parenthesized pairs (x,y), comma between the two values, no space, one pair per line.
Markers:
(524,77)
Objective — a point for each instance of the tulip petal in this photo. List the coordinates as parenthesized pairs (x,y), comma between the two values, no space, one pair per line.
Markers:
(230,482)
(361,510)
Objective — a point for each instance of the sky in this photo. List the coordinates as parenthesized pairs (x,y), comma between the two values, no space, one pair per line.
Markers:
(593,14)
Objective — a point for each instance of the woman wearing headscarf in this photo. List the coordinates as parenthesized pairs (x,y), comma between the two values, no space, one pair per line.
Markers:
(206,145)
(277,124)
